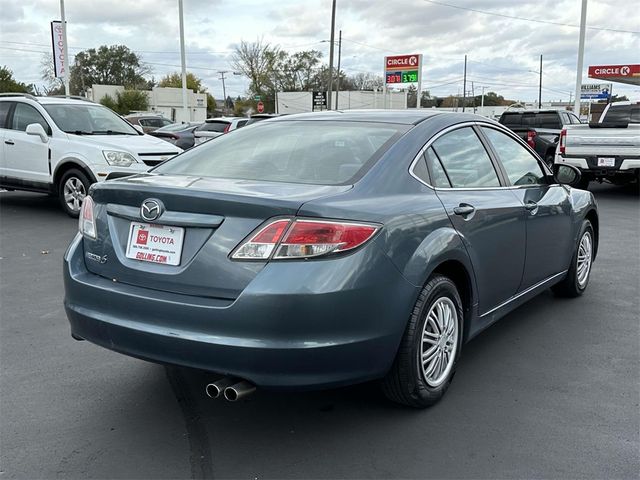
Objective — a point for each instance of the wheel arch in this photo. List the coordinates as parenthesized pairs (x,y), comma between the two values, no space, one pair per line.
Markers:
(463,279)
(68,164)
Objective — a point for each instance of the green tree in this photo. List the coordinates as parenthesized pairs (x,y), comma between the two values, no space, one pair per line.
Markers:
(175,80)
(9,85)
(211,104)
(108,65)
(127,102)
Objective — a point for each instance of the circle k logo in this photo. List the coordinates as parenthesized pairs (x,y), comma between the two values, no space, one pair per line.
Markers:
(625,70)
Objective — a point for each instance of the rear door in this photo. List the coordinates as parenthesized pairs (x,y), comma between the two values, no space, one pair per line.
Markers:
(488,217)
(547,205)
(26,156)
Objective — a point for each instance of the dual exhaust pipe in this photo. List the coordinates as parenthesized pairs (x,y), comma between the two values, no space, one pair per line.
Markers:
(230,388)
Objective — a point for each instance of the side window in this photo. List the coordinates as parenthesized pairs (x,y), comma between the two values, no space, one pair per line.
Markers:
(241,123)
(521,166)
(420,170)
(438,175)
(573,118)
(465,160)
(24,115)
(4,112)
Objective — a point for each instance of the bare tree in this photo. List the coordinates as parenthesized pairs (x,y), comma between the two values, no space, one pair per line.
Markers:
(53,85)
(256,61)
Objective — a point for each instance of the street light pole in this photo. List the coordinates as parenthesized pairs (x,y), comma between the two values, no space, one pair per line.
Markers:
(331,40)
(67,66)
(540,85)
(185,111)
(583,28)
(338,77)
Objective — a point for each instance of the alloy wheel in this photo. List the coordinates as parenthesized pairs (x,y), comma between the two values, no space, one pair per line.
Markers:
(585,255)
(74,193)
(439,343)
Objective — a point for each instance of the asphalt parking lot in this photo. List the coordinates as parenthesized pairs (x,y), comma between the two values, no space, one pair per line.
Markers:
(551,391)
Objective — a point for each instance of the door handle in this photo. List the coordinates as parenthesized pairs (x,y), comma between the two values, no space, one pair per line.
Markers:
(531,206)
(464,209)
(9,142)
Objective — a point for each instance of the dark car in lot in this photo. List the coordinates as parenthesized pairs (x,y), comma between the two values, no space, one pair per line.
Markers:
(540,128)
(327,249)
(178,134)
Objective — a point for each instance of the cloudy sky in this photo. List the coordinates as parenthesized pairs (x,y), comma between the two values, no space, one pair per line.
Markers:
(503,51)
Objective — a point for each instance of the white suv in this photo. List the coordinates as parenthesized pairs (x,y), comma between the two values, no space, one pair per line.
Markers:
(61,146)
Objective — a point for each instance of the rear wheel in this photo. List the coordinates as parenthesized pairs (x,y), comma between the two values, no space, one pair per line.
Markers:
(577,279)
(72,189)
(426,361)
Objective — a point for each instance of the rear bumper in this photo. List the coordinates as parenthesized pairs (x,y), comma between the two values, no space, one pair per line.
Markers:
(623,165)
(318,330)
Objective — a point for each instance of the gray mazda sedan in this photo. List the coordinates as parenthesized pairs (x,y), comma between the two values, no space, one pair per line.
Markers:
(327,249)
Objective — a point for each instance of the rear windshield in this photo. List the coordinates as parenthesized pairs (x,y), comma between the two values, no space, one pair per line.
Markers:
(511,119)
(312,152)
(213,127)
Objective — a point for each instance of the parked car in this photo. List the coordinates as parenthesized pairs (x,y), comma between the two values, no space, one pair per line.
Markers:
(319,250)
(258,117)
(214,127)
(149,123)
(61,146)
(540,128)
(608,149)
(179,134)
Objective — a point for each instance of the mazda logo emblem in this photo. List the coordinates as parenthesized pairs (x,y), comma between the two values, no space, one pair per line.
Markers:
(151,209)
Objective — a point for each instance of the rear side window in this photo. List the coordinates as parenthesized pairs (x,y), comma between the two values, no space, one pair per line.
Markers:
(635,115)
(4,112)
(465,160)
(241,123)
(437,173)
(521,166)
(24,115)
(311,152)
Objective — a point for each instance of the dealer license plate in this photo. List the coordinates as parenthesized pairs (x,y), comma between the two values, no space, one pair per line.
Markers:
(155,243)
(606,162)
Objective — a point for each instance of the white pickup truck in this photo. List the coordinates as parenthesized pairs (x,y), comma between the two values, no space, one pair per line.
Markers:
(608,149)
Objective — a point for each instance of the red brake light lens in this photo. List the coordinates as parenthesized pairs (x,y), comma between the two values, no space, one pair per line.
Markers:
(531,138)
(226,129)
(563,141)
(304,238)
(86,223)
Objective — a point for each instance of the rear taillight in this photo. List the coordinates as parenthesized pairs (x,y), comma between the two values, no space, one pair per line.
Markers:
(86,221)
(562,143)
(531,138)
(303,238)
(226,129)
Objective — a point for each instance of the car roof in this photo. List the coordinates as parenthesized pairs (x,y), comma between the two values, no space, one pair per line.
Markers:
(406,117)
(47,100)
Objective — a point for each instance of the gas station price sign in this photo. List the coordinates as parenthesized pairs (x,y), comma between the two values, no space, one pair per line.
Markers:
(402,68)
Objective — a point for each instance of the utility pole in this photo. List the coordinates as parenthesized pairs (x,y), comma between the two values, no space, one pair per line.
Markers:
(583,28)
(338,77)
(224,91)
(67,66)
(482,101)
(185,110)
(464,84)
(540,85)
(331,40)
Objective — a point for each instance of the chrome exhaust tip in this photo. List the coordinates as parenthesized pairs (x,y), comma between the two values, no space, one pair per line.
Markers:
(215,389)
(239,390)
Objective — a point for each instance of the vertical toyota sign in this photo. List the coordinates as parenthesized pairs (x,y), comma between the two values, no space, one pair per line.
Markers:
(57,43)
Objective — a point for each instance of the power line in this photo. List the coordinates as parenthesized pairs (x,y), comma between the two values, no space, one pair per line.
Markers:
(513,17)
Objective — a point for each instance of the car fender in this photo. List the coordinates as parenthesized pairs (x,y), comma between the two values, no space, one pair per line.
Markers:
(584,203)
(75,160)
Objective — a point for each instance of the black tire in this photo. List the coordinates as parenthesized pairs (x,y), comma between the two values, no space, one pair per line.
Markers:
(570,286)
(82,183)
(405,383)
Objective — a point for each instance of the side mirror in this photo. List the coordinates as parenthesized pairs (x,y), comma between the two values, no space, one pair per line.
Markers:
(37,130)
(139,129)
(566,174)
